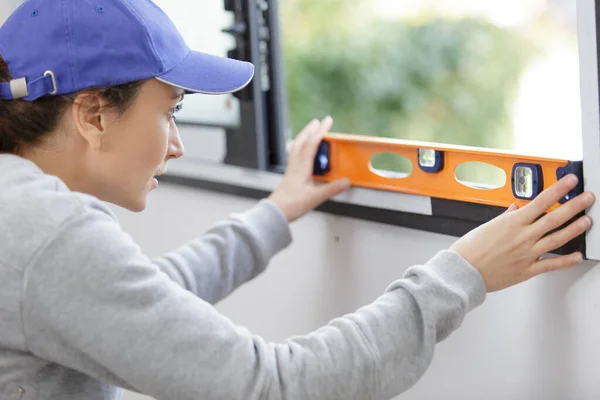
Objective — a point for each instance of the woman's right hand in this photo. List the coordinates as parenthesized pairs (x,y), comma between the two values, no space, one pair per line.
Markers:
(507,250)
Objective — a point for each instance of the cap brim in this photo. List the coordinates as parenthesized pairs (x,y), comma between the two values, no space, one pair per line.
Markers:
(209,74)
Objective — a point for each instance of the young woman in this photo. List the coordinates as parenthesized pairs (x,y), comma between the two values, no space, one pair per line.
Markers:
(88,91)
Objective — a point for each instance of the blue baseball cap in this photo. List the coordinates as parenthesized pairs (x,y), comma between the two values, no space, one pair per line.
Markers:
(55,47)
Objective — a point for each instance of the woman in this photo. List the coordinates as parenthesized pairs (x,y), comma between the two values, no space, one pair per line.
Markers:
(88,94)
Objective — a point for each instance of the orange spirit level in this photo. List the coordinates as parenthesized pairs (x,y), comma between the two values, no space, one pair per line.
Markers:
(434,169)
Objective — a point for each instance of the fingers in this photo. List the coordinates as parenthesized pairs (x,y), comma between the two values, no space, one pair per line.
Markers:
(563,214)
(555,263)
(563,236)
(512,207)
(314,140)
(548,198)
(307,131)
(305,146)
(301,138)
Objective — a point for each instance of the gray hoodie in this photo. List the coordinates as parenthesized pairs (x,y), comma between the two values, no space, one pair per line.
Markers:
(84,312)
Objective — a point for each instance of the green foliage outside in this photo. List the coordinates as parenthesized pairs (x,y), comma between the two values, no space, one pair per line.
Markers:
(429,79)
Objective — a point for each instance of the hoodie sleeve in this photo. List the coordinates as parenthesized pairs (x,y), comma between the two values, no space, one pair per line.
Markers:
(94,303)
(231,253)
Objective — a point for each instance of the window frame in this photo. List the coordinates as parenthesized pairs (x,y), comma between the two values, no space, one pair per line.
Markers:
(260,140)
(255,155)
(588,16)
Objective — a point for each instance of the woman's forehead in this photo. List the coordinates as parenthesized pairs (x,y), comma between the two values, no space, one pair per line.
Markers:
(159,89)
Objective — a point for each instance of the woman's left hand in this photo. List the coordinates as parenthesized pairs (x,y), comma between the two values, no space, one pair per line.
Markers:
(297,193)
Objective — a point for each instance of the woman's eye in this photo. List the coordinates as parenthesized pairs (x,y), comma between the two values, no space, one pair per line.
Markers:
(175,110)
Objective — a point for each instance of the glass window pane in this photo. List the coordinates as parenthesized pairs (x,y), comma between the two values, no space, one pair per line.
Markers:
(501,75)
(201,24)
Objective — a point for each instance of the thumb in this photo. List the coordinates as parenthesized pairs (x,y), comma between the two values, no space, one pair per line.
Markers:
(331,189)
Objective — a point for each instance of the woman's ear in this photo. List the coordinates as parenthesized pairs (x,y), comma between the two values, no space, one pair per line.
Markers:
(92,117)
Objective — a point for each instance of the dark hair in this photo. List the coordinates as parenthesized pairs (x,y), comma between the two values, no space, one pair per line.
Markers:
(25,123)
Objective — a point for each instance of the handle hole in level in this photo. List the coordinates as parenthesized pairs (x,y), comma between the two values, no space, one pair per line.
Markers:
(391,165)
(480,175)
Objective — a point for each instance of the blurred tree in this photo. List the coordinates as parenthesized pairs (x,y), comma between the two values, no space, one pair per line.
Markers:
(430,79)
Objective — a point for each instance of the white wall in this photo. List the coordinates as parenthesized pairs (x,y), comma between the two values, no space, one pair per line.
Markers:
(535,341)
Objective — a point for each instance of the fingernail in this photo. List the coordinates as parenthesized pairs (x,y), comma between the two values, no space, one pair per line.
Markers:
(573,179)
(578,258)
(587,222)
(589,199)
